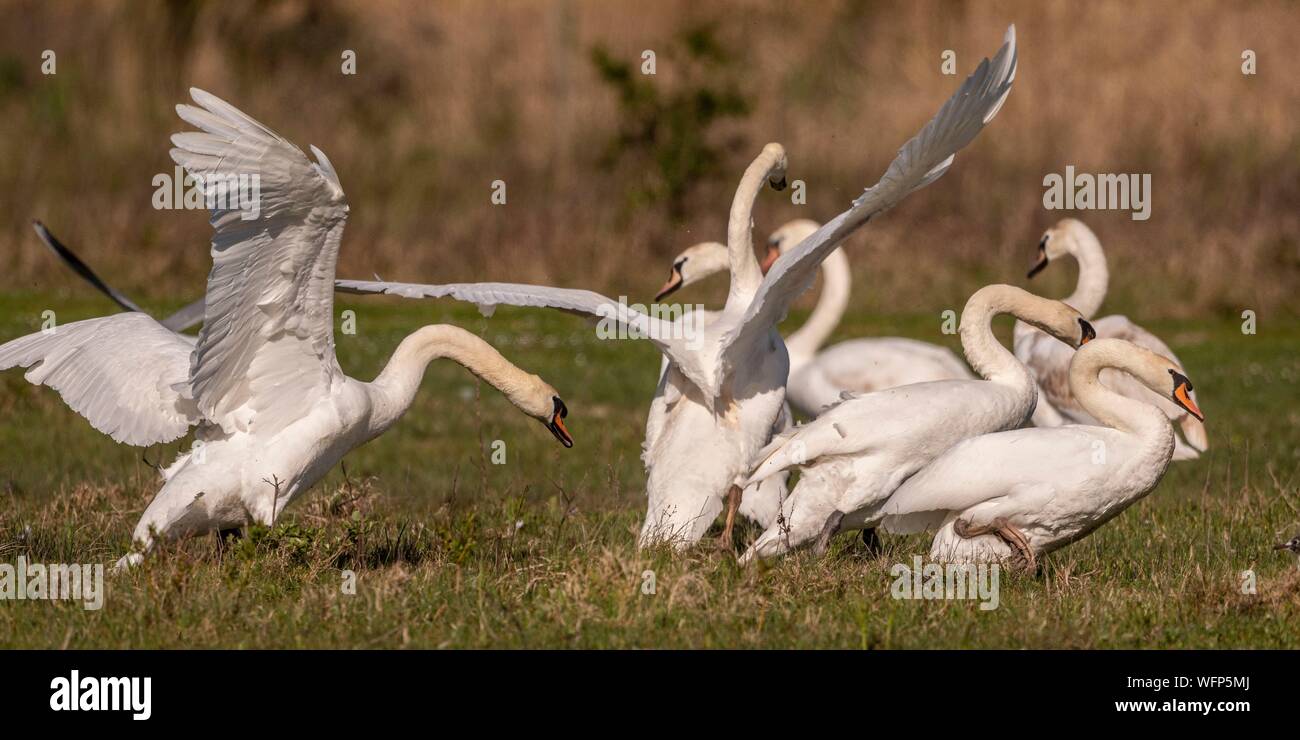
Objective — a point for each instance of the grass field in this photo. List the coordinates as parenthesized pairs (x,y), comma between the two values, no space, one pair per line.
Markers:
(450,550)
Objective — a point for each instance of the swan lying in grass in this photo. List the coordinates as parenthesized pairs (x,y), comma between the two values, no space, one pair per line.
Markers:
(725,387)
(857,453)
(819,379)
(1050,362)
(273,410)
(1016,495)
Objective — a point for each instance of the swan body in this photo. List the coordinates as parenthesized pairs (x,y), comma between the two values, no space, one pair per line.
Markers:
(819,379)
(1047,487)
(272,409)
(1050,363)
(857,453)
(726,386)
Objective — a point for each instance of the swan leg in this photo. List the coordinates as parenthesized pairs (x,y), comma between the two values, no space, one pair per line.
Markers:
(1005,531)
(829,530)
(734,496)
(871,539)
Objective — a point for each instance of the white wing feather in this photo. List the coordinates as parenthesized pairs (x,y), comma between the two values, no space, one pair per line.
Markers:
(268,318)
(920,161)
(664,334)
(120,372)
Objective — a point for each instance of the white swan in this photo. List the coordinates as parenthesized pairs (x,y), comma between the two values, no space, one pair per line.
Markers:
(856,453)
(273,409)
(1018,494)
(1050,362)
(725,389)
(818,380)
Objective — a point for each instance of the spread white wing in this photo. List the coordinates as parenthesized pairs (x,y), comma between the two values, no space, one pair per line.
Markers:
(268,318)
(920,161)
(121,372)
(669,336)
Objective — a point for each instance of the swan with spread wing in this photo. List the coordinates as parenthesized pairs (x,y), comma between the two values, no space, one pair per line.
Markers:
(725,388)
(273,410)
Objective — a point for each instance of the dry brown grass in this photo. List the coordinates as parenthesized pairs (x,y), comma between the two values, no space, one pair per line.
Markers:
(450,96)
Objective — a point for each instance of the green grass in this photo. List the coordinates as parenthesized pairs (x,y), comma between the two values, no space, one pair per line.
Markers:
(451,550)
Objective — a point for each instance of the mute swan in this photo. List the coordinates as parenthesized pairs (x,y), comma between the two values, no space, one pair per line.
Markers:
(273,409)
(1032,491)
(857,453)
(725,386)
(1050,362)
(818,380)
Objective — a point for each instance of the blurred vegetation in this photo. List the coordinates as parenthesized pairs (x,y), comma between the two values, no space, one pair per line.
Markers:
(611,172)
(666,133)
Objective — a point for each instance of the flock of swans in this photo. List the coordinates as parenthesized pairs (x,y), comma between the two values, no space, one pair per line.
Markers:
(902,436)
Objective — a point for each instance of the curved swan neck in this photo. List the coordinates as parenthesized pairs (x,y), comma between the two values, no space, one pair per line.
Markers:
(745,273)
(831,305)
(393,391)
(1094,277)
(984,352)
(1108,407)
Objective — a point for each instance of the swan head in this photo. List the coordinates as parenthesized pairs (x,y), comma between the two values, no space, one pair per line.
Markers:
(539,399)
(545,405)
(693,265)
(787,237)
(1155,371)
(776,173)
(1062,239)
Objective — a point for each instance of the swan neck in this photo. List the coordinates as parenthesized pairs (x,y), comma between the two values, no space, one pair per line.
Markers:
(393,391)
(986,355)
(1110,408)
(746,275)
(1094,277)
(832,302)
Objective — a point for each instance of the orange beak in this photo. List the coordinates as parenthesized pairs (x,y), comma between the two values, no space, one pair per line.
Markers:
(1184,399)
(556,424)
(773,254)
(674,282)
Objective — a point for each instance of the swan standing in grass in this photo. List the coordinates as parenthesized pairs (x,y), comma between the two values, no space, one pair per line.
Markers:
(818,380)
(273,409)
(1019,494)
(725,388)
(857,453)
(1050,362)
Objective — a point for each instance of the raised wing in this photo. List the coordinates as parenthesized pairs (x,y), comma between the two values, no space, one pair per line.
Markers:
(920,161)
(673,338)
(121,372)
(266,352)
